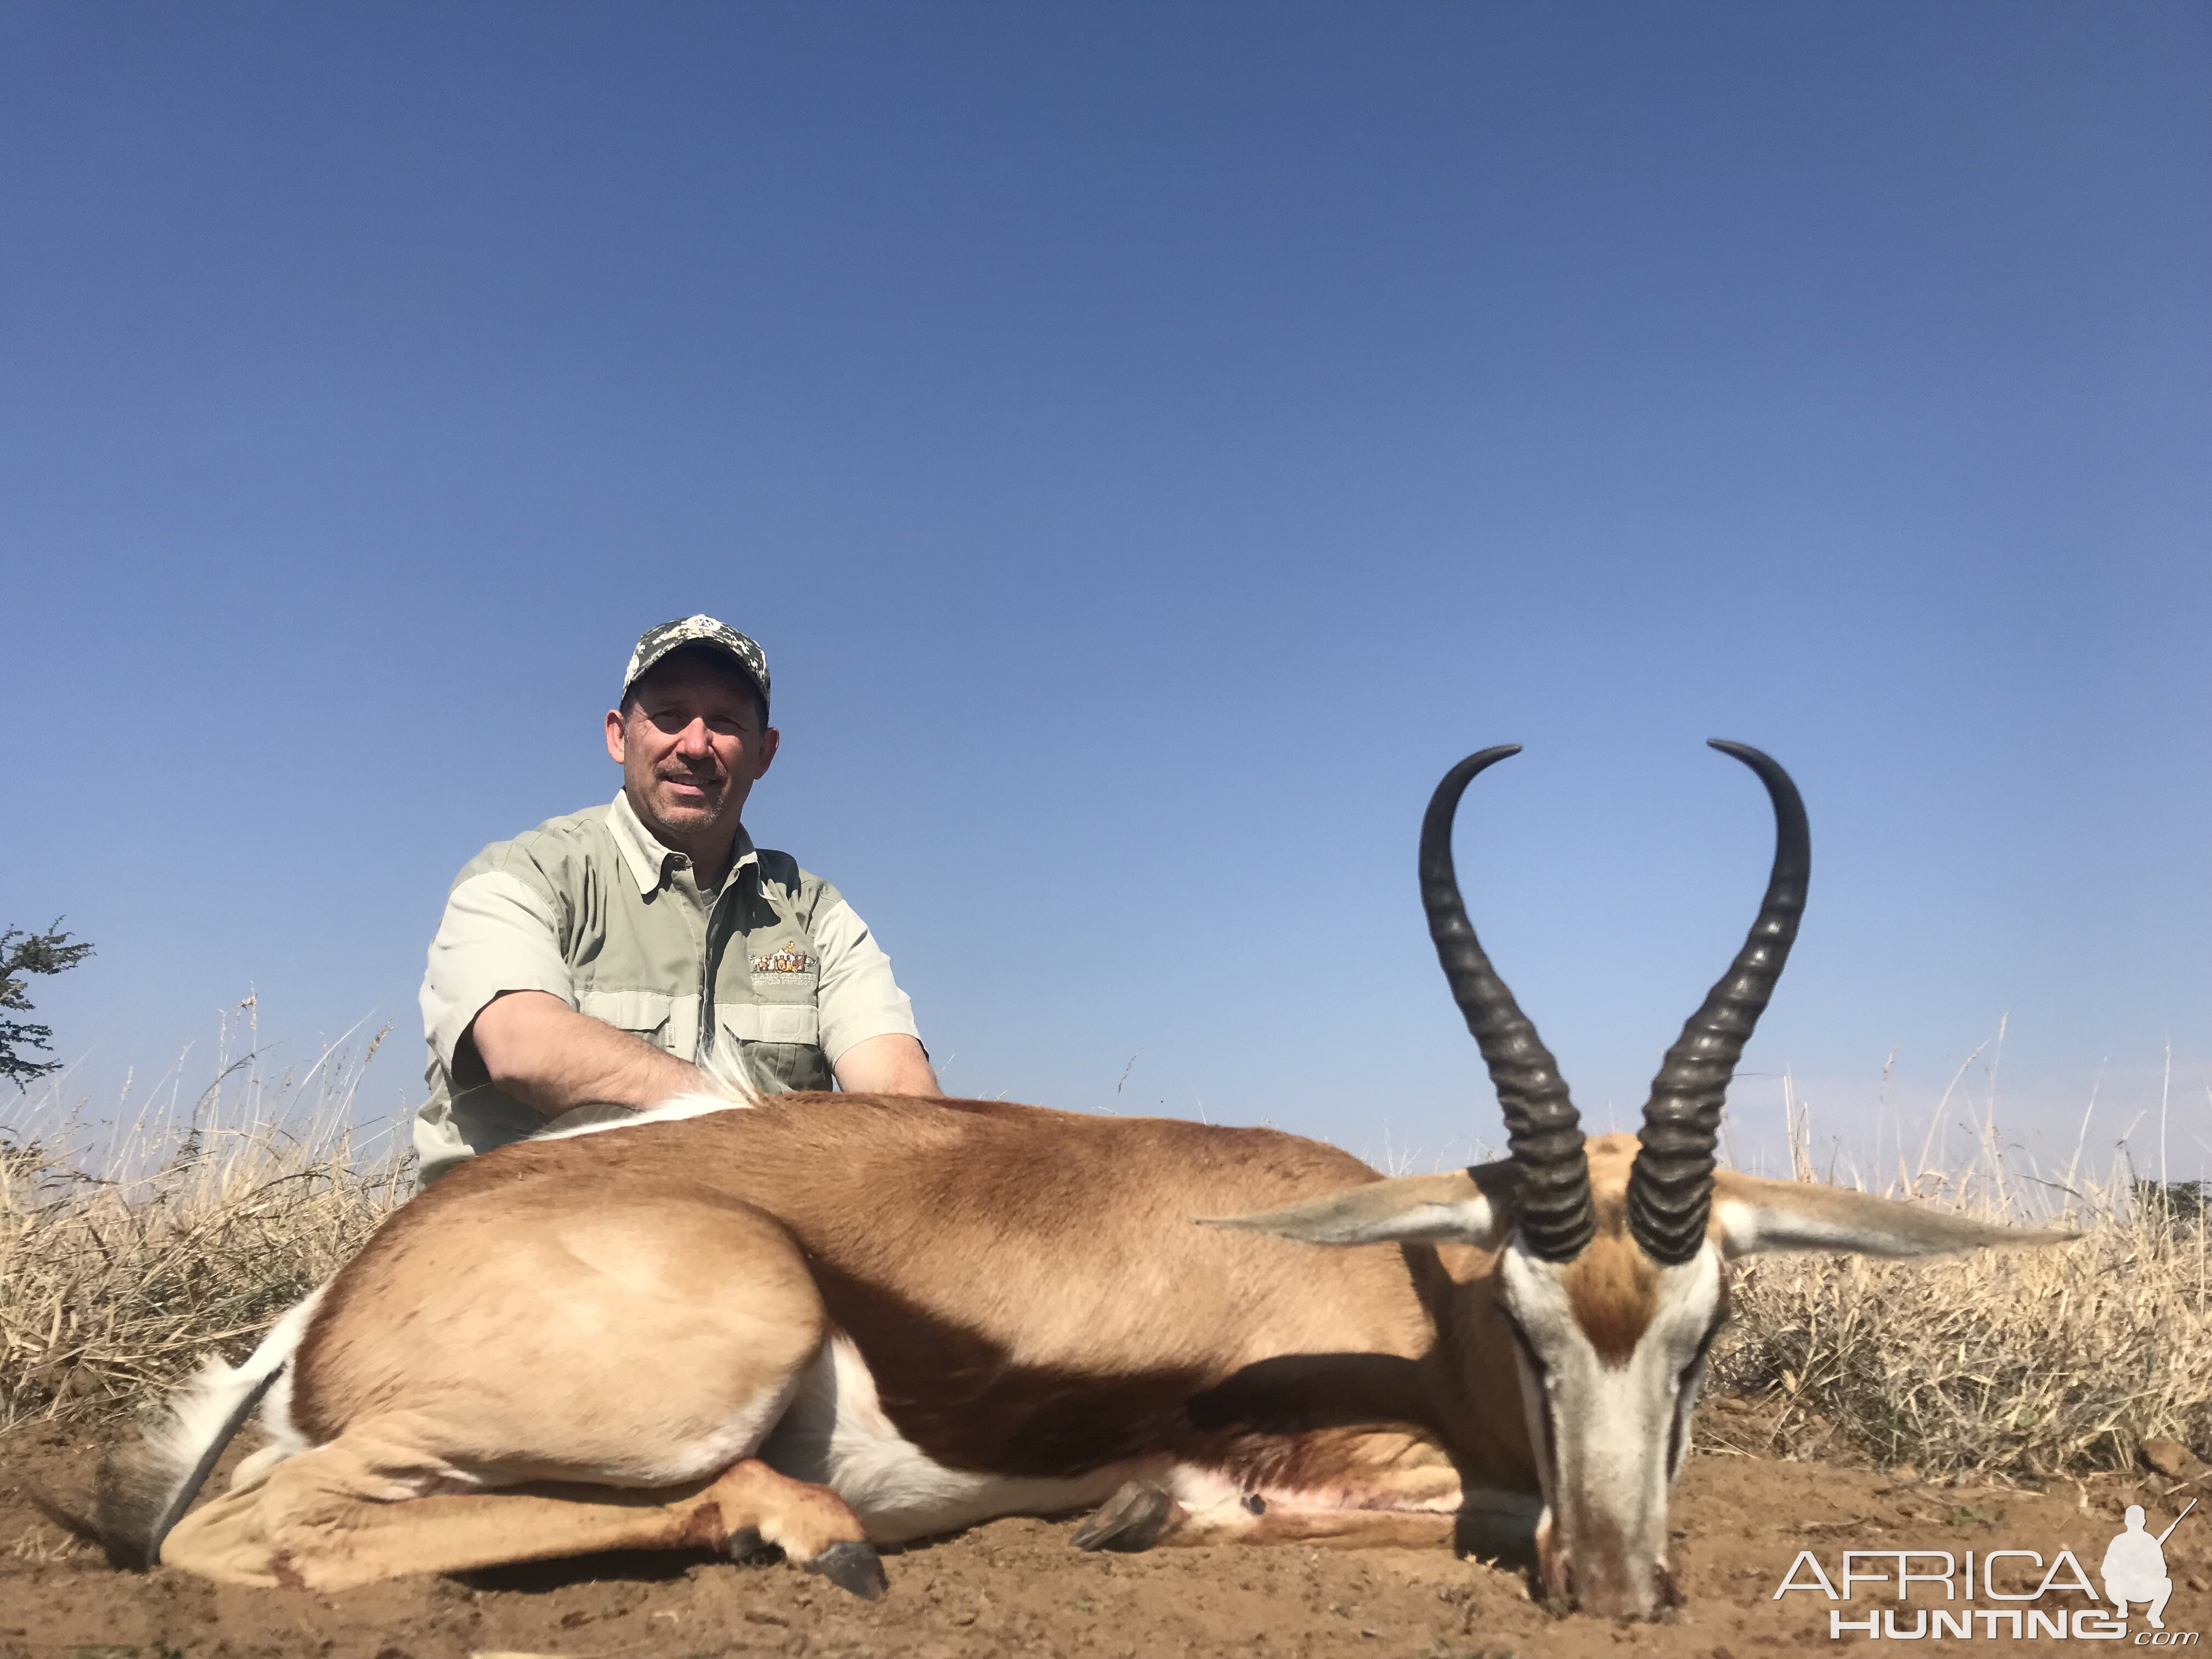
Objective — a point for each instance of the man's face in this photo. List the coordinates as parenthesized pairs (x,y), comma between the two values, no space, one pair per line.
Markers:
(690,747)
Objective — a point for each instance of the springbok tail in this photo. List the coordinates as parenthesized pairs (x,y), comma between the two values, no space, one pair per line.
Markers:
(144,1488)
(728,1069)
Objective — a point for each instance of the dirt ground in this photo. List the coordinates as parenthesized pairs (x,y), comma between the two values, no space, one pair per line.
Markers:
(1017,1588)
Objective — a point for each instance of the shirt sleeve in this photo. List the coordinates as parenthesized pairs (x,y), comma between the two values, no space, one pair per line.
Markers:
(498,934)
(856,994)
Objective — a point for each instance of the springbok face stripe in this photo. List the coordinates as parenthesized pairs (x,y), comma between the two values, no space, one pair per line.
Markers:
(1613,1294)
(1613,1346)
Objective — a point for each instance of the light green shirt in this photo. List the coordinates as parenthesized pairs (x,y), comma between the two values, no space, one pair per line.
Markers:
(773,969)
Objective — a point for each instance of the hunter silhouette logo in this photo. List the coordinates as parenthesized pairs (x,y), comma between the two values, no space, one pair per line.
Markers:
(2134,1568)
(1995,1594)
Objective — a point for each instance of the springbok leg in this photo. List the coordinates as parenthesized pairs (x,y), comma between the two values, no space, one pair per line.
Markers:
(1143,1516)
(598,1378)
(317,1521)
(1352,1488)
(1490,1526)
(1343,1529)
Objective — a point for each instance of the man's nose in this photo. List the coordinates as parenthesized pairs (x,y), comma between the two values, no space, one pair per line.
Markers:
(692,739)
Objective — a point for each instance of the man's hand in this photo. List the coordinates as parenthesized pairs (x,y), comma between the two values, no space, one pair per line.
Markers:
(893,1064)
(552,1058)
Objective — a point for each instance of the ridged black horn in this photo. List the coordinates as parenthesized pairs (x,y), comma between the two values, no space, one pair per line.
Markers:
(1541,1127)
(1670,1186)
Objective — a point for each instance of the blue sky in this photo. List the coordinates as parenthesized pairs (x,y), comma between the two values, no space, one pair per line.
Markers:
(1151,443)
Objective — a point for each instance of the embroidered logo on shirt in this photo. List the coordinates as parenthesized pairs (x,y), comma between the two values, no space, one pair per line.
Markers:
(786,958)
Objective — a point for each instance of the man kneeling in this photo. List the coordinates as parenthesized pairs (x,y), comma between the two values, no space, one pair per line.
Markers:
(607,960)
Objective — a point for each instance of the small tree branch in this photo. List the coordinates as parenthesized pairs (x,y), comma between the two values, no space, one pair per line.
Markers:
(23,955)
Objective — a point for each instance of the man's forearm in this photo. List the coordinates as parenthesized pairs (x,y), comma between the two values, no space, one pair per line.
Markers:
(889,1064)
(553,1059)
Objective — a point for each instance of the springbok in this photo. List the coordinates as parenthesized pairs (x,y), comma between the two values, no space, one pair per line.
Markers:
(828,1323)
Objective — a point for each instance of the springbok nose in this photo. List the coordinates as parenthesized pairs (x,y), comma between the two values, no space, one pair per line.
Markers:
(1609,1580)
(1610,1596)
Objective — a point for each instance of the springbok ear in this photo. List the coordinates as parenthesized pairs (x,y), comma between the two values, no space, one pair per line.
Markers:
(1754,1215)
(1431,1209)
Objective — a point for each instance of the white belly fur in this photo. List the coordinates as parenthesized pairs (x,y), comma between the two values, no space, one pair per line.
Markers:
(835,1433)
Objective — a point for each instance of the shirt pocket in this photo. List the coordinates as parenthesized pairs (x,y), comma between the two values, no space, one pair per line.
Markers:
(641,1014)
(785,967)
(772,1022)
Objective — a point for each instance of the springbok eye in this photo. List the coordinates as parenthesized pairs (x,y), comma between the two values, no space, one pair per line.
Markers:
(1682,1378)
(1521,1342)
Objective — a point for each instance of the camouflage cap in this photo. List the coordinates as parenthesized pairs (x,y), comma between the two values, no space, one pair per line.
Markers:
(657,642)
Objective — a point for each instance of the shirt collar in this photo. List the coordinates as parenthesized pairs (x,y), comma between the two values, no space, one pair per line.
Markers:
(645,856)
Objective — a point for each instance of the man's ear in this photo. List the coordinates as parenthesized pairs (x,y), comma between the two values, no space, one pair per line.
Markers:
(1431,1209)
(1752,1215)
(616,726)
(770,739)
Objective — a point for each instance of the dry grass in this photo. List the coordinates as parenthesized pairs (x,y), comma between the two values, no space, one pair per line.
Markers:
(125,1254)
(128,1252)
(2021,1364)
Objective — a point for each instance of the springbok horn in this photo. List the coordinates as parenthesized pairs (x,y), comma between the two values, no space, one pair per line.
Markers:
(1670,1186)
(1541,1127)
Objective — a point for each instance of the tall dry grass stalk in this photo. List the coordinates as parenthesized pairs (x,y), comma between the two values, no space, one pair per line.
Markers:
(2022,1363)
(128,1250)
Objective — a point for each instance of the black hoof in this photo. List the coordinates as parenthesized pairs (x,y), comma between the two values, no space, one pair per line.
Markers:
(1133,1519)
(854,1567)
(748,1548)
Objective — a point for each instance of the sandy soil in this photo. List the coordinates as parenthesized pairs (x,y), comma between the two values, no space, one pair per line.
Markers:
(1017,1587)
